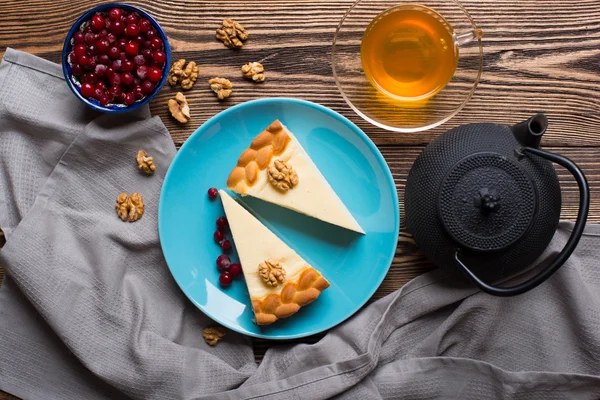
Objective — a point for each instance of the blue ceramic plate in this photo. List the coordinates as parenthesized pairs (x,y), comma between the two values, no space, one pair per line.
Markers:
(354,264)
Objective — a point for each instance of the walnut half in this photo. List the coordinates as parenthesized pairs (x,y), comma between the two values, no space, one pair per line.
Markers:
(145,162)
(179,108)
(130,208)
(272,273)
(213,334)
(232,34)
(221,86)
(185,77)
(254,71)
(282,176)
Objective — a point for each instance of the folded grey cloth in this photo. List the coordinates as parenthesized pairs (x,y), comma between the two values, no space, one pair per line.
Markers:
(91,311)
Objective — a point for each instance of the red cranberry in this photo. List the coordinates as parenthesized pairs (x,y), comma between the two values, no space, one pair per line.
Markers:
(100,70)
(72,58)
(114,52)
(137,81)
(87,89)
(212,194)
(235,270)
(87,29)
(132,18)
(104,99)
(148,87)
(154,74)
(140,40)
(109,73)
(156,43)
(76,69)
(115,91)
(116,65)
(103,59)
(123,56)
(90,38)
(142,72)
(78,38)
(115,80)
(223,262)
(137,92)
(111,37)
(91,65)
(117,27)
(98,93)
(122,43)
(132,30)
(132,48)
(92,51)
(126,79)
(102,46)
(128,98)
(225,279)
(226,245)
(222,223)
(90,77)
(103,33)
(159,57)
(84,60)
(139,60)
(127,66)
(144,25)
(80,50)
(115,14)
(97,22)
(151,33)
(219,236)
(148,45)
(101,85)
(148,55)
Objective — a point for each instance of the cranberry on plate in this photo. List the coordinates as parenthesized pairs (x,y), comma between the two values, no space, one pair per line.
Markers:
(117,57)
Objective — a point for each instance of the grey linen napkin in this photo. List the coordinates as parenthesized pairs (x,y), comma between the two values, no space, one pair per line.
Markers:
(114,323)
(92,312)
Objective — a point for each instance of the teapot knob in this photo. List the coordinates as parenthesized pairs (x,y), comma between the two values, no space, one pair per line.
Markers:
(487,201)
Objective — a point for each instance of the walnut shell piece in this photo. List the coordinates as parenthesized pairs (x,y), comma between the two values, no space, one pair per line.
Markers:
(145,162)
(221,86)
(179,108)
(190,74)
(130,208)
(282,176)
(176,72)
(272,273)
(213,334)
(254,71)
(232,34)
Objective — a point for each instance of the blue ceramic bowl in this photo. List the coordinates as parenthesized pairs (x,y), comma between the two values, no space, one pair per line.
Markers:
(75,85)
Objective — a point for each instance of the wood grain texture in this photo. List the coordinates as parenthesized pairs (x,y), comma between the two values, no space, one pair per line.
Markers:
(539,55)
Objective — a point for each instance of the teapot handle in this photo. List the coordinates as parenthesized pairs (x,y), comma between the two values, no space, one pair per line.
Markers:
(584,206)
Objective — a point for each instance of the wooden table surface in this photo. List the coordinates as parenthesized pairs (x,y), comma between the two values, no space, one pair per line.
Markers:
(539,55)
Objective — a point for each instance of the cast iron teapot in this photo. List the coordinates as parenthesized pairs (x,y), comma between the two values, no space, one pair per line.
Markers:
(486,199)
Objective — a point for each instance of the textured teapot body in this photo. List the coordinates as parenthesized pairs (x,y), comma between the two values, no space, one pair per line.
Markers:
(474,190)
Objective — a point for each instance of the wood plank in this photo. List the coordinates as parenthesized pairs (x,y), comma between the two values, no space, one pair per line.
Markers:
(535,60)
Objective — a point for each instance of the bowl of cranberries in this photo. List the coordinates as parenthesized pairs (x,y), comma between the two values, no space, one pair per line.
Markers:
(115,58)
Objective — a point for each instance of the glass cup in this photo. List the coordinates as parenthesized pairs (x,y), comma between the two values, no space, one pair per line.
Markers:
(406,114)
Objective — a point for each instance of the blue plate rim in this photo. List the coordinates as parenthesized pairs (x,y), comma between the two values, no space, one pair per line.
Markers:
(334,114)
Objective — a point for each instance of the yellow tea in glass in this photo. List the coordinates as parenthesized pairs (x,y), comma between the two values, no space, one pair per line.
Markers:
(408,52)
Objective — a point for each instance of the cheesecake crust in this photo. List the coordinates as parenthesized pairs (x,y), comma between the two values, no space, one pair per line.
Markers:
(294,295)
(271,142)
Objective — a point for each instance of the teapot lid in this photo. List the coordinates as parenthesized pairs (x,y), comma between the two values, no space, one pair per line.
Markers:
(486,202)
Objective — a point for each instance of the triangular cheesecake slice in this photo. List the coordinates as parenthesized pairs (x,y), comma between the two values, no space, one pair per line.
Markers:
(279,280)
(275,168)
